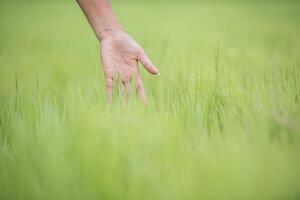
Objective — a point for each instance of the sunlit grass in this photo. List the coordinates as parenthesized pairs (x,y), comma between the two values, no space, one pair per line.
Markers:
(222,121)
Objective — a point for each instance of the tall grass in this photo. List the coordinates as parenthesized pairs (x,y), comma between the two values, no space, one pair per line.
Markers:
(222,121)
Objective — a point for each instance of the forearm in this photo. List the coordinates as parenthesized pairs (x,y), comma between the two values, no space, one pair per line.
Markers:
(100,15)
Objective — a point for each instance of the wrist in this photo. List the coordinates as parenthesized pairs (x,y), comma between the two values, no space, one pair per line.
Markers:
(108,32)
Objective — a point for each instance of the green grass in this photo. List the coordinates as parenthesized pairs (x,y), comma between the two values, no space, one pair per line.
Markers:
(222,121)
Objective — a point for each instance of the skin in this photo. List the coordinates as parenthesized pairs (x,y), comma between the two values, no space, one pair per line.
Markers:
(120,53)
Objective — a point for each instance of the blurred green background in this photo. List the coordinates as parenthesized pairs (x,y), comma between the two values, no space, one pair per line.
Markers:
(222,121)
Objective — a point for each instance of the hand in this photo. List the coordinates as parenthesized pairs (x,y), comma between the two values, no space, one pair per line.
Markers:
(120,55)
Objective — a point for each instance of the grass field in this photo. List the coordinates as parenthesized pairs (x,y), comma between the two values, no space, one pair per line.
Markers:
(222,121)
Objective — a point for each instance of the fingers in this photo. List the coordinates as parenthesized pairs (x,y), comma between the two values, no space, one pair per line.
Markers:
(123,90)
(146,62)
(123,85)
(140,88)
(109,89)
(122,80)
(126,88)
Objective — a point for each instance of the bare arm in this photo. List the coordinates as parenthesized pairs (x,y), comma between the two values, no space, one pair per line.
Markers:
(119,52)
(100,16)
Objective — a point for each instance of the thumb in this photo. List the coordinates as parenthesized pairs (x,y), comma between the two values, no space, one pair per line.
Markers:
(146,62)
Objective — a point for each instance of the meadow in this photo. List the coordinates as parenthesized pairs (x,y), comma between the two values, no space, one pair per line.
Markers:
(222,120)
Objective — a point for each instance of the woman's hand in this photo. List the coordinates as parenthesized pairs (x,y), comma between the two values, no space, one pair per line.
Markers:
(119,52)
(120,56)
